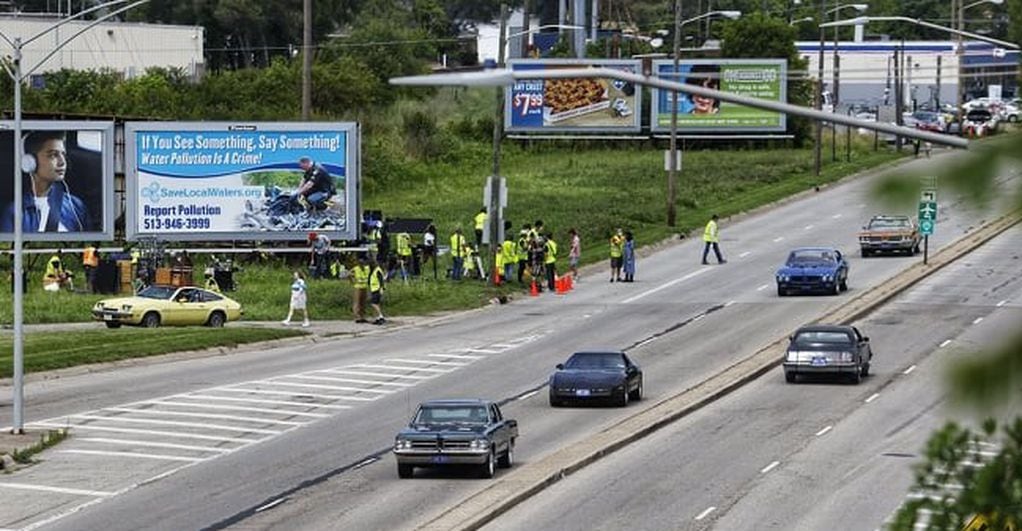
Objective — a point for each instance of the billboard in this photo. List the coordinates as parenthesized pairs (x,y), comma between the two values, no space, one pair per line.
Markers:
(225,181)
(67,173)
(573,105)
(758,78)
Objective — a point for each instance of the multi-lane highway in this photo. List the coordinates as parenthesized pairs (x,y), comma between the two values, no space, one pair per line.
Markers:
(297,437)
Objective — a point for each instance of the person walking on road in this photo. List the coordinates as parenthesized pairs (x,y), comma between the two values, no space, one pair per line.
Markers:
(298,300)
(628,257)
(360,285)
(574,253)
(617,243)
(711,237)
(376,282)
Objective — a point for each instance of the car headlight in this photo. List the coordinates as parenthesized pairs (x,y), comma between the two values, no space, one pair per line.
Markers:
(126,307)
(402,444)
(480,444)
(846,357)
(783,278)
(792,355)
(827,278)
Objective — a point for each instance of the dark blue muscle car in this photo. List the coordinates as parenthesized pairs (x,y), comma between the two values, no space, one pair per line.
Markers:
(813,269)
(604,375)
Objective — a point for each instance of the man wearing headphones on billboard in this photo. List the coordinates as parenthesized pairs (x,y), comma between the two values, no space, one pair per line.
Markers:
(49,205)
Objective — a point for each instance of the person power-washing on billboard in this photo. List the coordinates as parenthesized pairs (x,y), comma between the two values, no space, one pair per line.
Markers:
(317,185)
(49,205)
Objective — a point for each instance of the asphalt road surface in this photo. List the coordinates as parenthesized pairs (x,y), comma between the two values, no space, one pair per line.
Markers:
(298,437)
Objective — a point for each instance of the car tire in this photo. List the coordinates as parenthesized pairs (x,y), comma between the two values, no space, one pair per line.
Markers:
(865,370)
(837,288)
(507,459)
(622,401)
(112,324)
(781,292)
(216,319)
(866,253)
(489,468)
(405,471)
(856,376)
(790,377)
(151,320)
(844,285)
(554,402)
(637,393)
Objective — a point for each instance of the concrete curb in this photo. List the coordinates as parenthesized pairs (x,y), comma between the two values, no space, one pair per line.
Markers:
(528,480)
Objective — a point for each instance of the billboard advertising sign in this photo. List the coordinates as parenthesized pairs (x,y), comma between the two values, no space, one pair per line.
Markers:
(67,173)
(573,105)
(224,181)
(758,78)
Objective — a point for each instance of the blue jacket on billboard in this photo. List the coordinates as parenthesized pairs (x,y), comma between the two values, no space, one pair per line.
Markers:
(66,210)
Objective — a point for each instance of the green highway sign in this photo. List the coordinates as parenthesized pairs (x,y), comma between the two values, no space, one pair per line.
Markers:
(927,217)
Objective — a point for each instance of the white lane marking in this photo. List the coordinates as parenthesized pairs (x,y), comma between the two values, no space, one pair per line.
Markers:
(172,434)
(872,397)
(276,381)
(425,361)
(808,227)
(1002,303)
(174,423)
(769,467)
(698,317)
(977,320)
(778,239)
(365,463)
(348,380)
(945,343)
(271,505)
(705,513)
(763,287)
(278,402)
(666,285)
(292,393)
(59,490)
(645,342)
(400,368)
(135,442)
(285,412)
(380,374)
(456,356)
(909,370)
(502,345)
(861,205)
(528,395)
(746,253)
(159,457)
(836,216)
(824,431)
(202,415)
(480,350)
(728,303)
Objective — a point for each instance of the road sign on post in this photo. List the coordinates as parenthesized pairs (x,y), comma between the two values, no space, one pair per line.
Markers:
(927,219)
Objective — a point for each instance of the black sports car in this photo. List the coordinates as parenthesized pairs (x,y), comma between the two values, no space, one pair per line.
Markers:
(596,376)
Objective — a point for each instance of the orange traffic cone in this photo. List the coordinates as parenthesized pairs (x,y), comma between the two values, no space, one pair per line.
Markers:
(561,286)
(534,290)
(496,276)
(571,283)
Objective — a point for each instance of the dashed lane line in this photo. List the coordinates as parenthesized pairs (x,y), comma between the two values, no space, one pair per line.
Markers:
(528,395)
(977,320)
(909,370)
(778,239)
(666,285)
(763,287)
(945,343)
(746,253)
(136,455)
(824,431)
(769,467)
(872,397)
(705,513)
(58,490)
(1002,303)
(808,227)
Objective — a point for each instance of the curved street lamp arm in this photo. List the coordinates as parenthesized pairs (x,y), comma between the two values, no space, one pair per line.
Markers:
(862,20)
(79,32)
(71,19)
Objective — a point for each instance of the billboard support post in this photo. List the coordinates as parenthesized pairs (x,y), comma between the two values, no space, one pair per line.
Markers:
(672,176)
(493,211)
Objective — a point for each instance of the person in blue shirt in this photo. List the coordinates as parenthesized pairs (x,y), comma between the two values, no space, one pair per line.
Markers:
(49,205)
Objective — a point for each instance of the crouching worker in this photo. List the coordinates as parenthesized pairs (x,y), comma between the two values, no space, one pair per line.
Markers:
(56,277)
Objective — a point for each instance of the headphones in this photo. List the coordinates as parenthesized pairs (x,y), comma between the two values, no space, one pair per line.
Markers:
(28,161)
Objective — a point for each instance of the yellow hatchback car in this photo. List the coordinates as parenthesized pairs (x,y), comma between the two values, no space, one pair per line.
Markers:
(158,305)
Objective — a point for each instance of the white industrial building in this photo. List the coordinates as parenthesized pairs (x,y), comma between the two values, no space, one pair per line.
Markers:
(866,74)
(126,47)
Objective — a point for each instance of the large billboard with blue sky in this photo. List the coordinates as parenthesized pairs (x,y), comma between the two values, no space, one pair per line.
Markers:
(758,78)
(228,181)
(573,105)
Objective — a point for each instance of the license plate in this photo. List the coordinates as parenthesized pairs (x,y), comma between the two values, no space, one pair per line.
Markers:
(108,317)
(819,360)
(581,392)
(439,459)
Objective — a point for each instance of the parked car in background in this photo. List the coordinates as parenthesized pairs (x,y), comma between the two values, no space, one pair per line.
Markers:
(1010,113)
(813,269)
(828,349)
(598,375)
(159,305)
(929,121)
(889,234)
(456,432)
(980,122)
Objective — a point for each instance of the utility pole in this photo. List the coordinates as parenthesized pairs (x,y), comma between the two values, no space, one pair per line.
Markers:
(834,94)
(960,53)
(937,94)
(307,61)
(818,140)
(672,158)
(899,89)
(493,210)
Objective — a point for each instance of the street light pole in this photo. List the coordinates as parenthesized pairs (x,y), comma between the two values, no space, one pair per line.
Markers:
(818,133)
(493,208)
(672,158)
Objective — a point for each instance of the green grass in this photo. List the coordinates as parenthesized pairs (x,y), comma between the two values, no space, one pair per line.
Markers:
(47,350)
(47,439)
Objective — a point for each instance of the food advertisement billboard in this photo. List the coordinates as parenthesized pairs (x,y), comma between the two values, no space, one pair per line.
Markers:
(67,175)
(578,105)
(227,181)
(758,78)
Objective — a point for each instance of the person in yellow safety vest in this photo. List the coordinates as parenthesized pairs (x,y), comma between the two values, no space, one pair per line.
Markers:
(457,254)
(376,285)
(617,245)
(404,253)
(211,283)
(480,223)
(360,284)
(711,237)
(523,251)
(550,261)
(90,261)
(468,255)
(56,276)
(509,251)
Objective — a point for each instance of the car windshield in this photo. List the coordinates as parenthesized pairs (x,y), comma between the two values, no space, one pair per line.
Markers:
(925,116)
(820,337)
(595,360)
(889,223)
(805,256)
(158,292)
(451,414)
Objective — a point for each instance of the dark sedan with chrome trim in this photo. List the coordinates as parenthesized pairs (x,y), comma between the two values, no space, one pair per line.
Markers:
(828,349)
(600,375)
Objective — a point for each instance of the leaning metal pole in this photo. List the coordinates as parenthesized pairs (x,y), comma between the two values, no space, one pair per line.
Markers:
(18,421)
